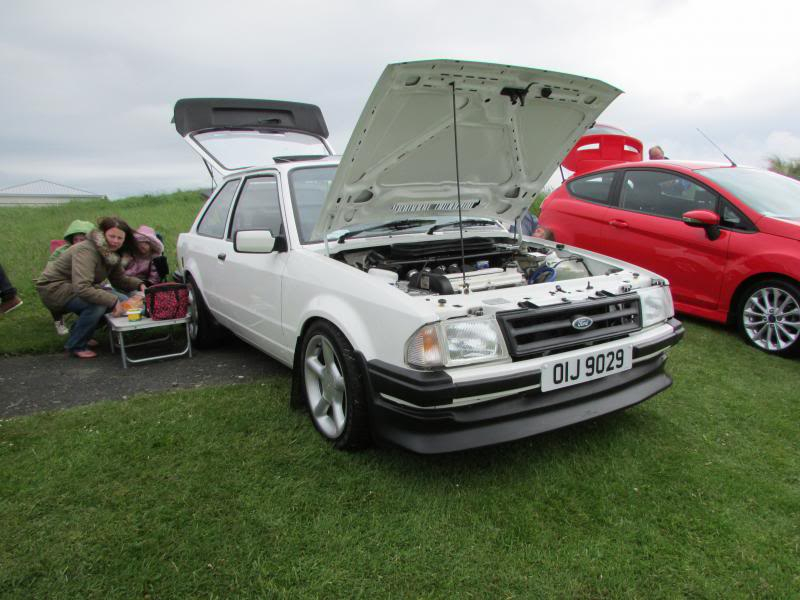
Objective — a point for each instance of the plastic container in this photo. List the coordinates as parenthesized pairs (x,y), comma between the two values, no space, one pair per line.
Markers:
(566,269)
(134,315)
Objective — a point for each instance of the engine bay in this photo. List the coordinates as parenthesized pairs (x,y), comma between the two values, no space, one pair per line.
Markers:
(437,268)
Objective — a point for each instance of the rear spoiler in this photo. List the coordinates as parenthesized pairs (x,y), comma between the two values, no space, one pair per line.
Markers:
(193,115)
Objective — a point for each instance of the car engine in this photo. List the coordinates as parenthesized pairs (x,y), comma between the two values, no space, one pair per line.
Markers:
(488,263)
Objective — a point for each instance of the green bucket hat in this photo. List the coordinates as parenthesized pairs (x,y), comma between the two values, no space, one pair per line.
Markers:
(78,226)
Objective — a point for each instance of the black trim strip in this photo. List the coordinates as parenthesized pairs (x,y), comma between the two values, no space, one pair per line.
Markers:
(436,388)
(423,388)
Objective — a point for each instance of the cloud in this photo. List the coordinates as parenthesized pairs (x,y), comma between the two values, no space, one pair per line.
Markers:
(783,144)
(90,86)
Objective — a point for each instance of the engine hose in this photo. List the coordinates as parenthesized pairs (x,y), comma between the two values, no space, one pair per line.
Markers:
(542,275)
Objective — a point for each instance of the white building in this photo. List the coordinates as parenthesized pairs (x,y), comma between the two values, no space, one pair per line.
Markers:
(43,193)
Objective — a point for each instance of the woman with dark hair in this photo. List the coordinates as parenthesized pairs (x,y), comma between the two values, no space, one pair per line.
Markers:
(71,283)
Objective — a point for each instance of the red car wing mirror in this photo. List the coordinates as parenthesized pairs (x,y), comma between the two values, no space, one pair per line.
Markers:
(701,218)
(707,219)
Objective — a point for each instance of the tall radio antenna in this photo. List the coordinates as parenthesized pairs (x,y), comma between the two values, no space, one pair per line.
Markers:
(710,141)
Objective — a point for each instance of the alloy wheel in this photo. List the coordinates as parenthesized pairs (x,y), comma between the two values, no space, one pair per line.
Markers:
(325,386)
(771,319)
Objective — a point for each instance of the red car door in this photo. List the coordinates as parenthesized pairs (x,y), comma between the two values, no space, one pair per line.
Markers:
(576,212)
(646,229)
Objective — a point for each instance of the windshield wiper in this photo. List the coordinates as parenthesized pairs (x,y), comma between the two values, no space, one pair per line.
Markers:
(464,223)
(391,225)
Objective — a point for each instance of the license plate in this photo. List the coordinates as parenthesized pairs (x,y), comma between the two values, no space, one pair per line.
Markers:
(585,367)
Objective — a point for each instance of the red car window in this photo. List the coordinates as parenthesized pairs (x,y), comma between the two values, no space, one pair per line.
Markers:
(664,194)
(596,188)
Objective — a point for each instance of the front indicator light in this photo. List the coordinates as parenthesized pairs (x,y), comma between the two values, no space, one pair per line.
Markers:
(423,349)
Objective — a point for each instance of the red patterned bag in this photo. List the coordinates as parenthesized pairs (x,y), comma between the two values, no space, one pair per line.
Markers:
(166,301)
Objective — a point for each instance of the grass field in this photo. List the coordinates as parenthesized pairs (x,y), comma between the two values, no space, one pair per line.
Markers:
(227,493)
(24,249)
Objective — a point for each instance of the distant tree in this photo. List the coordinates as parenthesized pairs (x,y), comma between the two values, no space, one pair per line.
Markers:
(784,166)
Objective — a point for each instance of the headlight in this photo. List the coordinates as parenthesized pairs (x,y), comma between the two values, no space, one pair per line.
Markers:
(455,343)
(656,305)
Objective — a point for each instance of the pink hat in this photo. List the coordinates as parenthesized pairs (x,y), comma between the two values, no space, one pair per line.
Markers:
(147,234)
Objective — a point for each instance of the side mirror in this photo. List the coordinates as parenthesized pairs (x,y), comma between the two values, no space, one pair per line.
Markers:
(254,242)
(703,218)
(700,218)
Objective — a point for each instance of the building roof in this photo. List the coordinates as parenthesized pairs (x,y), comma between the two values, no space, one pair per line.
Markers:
(41,187)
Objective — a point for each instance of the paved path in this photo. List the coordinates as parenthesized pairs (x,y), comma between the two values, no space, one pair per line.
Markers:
(30,384)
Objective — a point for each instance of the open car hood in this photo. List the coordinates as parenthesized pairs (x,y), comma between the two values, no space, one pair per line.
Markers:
(232,134)
(513,125)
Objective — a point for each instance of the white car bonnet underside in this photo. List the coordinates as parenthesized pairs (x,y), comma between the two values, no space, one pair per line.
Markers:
(513,124)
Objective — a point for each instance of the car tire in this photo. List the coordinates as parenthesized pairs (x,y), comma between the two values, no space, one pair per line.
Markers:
(769,316)
(203,328)
(331,387)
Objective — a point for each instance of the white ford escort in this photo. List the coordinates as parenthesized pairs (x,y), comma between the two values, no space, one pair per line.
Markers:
(389,279)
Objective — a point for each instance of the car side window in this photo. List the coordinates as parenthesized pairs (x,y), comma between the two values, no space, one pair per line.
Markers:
(596,188)
(664,194)
(213,222)
(258,206)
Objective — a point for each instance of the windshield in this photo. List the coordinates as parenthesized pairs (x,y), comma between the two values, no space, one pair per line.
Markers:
(242,149)
(770,194)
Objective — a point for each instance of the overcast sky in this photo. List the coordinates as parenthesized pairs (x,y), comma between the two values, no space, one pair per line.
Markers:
(88,87)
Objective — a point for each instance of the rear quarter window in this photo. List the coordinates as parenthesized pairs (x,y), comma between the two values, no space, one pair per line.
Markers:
(732,218)
(595,188)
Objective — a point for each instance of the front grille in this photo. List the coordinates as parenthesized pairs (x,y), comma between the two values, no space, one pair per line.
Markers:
(539,331)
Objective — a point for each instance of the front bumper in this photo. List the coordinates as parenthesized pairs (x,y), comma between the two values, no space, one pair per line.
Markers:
(420,411)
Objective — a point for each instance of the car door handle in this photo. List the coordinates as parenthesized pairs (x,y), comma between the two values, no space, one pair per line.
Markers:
(618,224)
(221,256)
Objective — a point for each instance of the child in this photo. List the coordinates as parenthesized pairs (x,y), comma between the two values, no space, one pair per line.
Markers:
(76,232)
(147,248)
